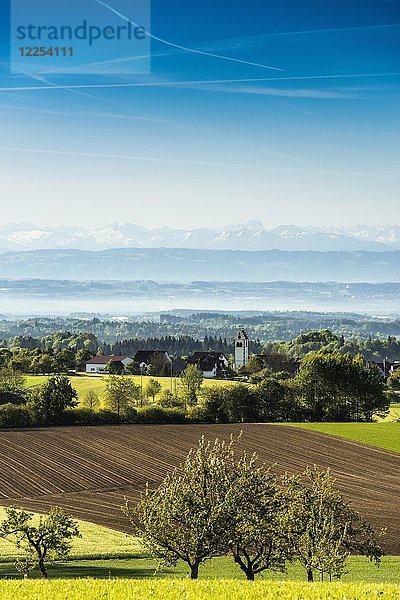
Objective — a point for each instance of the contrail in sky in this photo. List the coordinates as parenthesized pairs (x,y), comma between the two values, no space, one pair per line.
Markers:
(184,48)
(199,82)
(127,157)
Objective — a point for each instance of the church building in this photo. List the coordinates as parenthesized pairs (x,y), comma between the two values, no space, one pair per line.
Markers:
(241,349)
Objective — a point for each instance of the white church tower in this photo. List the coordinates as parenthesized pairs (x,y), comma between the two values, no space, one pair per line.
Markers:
(241,349)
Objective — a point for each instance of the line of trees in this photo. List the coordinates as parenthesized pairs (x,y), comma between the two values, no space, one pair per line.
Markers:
(219,503)
(61,351)
(42,405)
(268,326)
(329,386)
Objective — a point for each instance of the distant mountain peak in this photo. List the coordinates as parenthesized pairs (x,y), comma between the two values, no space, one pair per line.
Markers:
(248,236)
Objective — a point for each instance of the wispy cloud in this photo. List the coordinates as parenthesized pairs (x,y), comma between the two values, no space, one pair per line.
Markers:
(66,88)
(389,171)
(312,93)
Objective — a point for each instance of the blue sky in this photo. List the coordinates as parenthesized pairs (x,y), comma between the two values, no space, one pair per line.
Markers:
(282,111)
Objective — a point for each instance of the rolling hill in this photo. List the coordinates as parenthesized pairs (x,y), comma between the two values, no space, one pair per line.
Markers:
(90,470)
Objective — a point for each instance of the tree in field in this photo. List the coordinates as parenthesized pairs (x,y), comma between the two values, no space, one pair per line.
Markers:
(82,356)
(190,384)
(168,400)
(5,357)
(213,404)
(11,380)
(338,387)
(258,539)
(43,365)
(20,363)
(46,541)
(273,401)
(153,387)
(65,360)
(186,517)
(242,404)
(48,403)
(134,368)
(393,381)
(91,401)
(12,387)
(115,368)
(238,403)
(121,393)
(322,528)
(254,364)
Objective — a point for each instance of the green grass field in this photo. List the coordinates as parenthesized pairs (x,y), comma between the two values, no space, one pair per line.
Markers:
(103,553)
(192,590)
(359,569)
(383,435)
(97,383)
(97,542)
(394,413)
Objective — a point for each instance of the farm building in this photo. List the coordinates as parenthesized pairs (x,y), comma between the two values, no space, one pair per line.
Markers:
(159,360)
(212,364)
(178,366)
(98,364)
(387,367)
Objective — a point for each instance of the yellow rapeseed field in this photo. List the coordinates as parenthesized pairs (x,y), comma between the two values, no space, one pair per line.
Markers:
(123,589)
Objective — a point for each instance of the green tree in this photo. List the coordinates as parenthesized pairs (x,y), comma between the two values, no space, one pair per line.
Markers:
(393,381)
(11,381)
(121,394)
(115,368)
(213,404)
(46,541)
(43,365)
(82,356)
(20,363)
(48,403)
(338,387)
(254,364)
(322,527)
(190,384)
(153,387)
(91,401)
(258,539)
(134,368)
(168,400)
(5,357)
(12,387)
(242,403)
(272,399)
(186,517)
(65,359)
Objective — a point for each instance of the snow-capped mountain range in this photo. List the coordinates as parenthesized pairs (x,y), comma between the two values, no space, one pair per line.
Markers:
(249,236)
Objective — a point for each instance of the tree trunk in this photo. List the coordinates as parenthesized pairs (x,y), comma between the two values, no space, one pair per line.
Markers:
(194,571)
(250,575)
(42,569)
(310,575)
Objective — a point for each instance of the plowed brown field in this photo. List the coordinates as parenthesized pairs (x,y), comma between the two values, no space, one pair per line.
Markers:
(89,470)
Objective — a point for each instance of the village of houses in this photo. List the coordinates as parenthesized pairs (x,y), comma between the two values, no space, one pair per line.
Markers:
(212,364)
